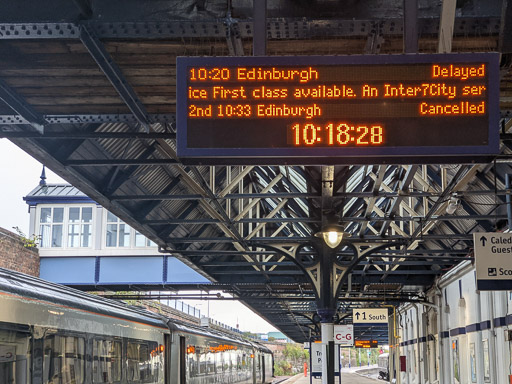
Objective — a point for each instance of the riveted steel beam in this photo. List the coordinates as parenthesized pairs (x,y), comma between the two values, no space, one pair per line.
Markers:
(292,240)
(114,75)
(89,119)
(18,104)
(88,135)
(118,162)
(287,28)
(408,178)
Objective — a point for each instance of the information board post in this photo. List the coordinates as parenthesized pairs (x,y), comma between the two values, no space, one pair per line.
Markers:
(327,330)
(316,359)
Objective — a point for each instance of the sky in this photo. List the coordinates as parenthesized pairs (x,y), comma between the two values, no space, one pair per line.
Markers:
(20,174)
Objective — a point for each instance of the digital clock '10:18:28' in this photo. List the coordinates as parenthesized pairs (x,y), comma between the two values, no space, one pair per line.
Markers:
(335,134)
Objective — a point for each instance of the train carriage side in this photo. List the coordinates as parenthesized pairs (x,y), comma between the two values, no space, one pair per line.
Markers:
(268,365)
(263,363)
(207,356)
(50,334)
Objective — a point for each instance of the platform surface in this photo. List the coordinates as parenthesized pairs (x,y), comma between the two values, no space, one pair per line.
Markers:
(346,377)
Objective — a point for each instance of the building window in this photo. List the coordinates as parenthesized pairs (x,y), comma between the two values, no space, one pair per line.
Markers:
(51,225)
(143,241)
(118,233)
(80,227)
(66,226)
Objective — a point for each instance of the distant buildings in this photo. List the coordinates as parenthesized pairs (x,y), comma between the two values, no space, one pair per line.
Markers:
(277,337)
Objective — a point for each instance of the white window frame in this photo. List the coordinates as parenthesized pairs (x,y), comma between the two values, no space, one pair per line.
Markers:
(66,223)
(80,223)
(149,244)
(52,225)
(118,223)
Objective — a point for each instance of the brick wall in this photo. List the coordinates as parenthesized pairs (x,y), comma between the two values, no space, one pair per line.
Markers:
(15,256)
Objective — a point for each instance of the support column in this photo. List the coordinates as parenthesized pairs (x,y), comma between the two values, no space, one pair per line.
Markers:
(259,28)
(326,311)
(327,330)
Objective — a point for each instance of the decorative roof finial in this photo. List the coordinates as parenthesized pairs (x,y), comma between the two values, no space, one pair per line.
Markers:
(42,182)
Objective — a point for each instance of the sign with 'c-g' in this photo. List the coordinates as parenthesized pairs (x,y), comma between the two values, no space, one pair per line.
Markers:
(344,335)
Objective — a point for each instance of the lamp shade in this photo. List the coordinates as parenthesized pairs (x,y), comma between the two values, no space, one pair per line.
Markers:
(332,238)
(332,234)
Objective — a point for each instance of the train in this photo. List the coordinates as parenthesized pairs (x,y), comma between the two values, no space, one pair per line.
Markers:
(53,334)
(383,365)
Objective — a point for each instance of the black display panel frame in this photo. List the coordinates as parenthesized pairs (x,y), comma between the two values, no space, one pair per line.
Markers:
(260,140)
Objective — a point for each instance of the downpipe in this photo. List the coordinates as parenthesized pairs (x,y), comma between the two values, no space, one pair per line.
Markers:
(440,343)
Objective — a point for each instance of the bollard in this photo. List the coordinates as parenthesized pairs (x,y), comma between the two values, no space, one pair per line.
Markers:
(305,369)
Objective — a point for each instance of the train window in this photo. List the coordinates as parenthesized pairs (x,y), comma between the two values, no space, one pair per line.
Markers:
(106,363)
(210,363)
(234,360)
(202,361)
(226,356)
(244,362)
(192,361)
(145,363)
(218,361)
(63,360)
(14,357)
(142,367)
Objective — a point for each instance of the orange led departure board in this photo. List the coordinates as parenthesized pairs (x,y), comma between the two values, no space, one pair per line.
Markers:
(338,109)
(366,344)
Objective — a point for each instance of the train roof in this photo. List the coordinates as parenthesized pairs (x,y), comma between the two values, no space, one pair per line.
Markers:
(262,347)
(31,287)
(211,333)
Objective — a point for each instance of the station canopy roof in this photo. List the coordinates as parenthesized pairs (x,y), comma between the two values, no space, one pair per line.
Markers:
(88,88)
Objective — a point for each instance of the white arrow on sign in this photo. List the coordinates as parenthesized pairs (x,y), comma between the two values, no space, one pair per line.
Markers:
(370,315)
